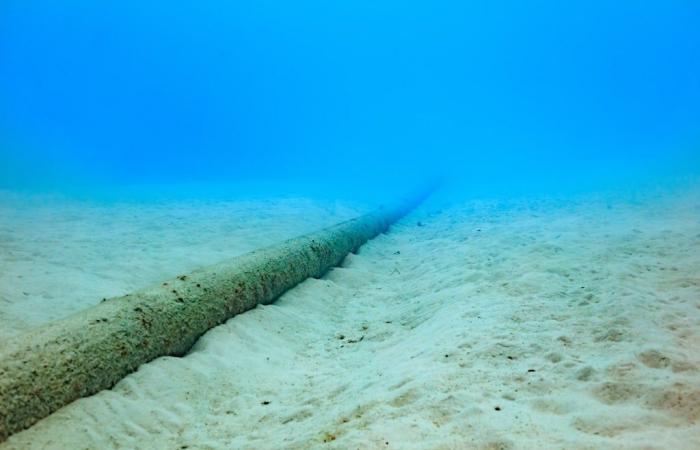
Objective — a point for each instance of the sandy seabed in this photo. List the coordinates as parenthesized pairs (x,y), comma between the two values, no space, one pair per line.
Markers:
(475,324)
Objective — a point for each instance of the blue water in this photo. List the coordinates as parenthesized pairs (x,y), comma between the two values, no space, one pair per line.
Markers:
(359,97)
(568,320)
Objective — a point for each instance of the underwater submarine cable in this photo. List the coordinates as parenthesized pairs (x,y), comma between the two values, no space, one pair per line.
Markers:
(53,365)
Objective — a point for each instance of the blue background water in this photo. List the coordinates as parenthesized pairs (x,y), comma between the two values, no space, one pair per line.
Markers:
(500,95)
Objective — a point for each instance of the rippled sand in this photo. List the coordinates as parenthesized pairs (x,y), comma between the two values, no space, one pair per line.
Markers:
(527,324)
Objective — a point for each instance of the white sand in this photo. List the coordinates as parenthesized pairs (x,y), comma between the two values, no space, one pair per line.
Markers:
(59,256)
(526,325)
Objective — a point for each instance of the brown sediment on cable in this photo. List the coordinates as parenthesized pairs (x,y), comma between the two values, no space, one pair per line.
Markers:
(55,364)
